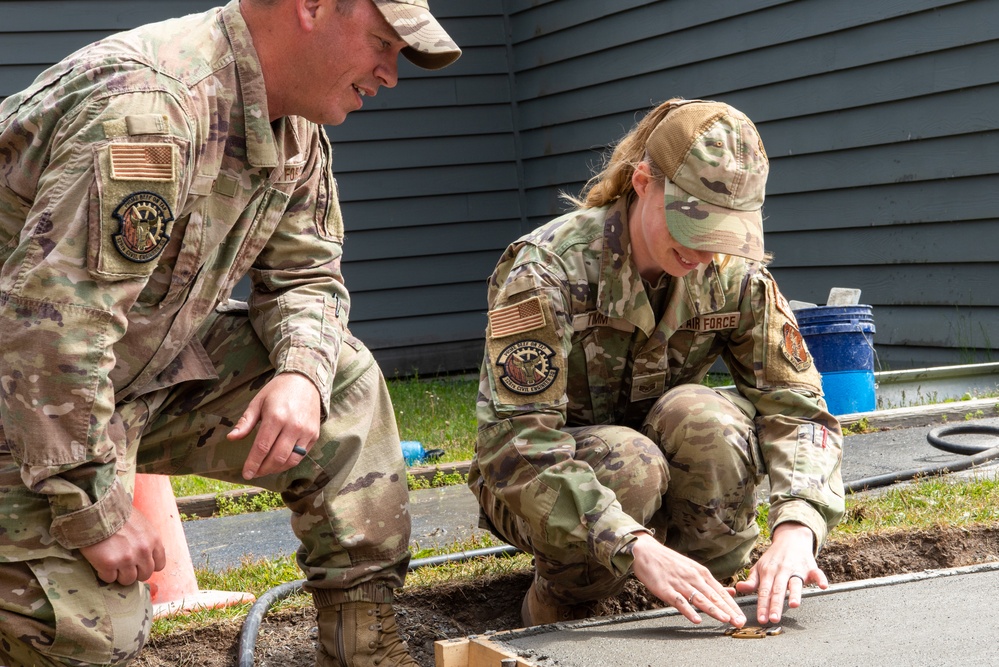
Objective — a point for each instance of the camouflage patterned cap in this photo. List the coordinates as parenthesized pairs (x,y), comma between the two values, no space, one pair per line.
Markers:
(716,170)
(430,47)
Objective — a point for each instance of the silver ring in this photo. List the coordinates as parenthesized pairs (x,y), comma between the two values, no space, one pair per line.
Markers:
(690,600)
(796,576)
(301,451)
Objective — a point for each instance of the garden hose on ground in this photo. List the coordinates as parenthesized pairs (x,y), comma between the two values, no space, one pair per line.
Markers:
(251,626)
(976,456)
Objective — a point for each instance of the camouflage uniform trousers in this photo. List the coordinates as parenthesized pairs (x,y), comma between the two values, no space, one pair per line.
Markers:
(348,498)
(690,477)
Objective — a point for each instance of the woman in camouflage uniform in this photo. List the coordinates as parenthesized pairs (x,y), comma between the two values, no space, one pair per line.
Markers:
(598,450)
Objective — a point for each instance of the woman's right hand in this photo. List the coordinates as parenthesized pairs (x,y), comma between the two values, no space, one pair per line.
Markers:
(683,583)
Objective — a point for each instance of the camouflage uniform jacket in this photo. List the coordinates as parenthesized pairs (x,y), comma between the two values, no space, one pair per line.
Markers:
(572,340)
(140,179)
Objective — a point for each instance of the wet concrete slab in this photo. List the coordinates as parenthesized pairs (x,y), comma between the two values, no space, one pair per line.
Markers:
(937,617)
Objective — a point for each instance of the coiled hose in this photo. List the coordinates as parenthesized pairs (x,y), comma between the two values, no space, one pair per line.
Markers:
(976,456)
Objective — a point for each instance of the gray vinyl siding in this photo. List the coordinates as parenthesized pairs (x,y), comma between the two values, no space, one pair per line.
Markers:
(881,118)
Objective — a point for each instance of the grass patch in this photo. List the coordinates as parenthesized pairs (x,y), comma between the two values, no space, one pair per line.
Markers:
(192,485)
(933,501)
(253,576)
(432,576)
(438,412)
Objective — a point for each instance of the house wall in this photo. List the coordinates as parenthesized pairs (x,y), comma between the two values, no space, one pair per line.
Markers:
(881,119)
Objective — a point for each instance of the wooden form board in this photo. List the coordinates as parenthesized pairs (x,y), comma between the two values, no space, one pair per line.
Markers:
(475,651)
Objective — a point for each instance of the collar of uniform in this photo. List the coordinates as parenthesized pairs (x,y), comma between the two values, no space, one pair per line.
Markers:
(700,292)
(620,293)
(260,148)
(705,292)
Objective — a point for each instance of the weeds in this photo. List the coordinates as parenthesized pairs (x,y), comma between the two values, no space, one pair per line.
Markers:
(439,479)
(862,425)
(250,502)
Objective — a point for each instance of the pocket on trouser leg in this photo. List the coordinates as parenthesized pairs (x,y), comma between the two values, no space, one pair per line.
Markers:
(719,536)
(95,622)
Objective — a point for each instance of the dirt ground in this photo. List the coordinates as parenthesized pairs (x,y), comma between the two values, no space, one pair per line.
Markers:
(288,638)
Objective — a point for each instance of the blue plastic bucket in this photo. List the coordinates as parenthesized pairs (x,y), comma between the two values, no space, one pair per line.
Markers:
(841,341)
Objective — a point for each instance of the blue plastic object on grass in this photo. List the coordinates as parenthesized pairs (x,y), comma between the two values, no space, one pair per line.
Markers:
(413,452)
(841,341)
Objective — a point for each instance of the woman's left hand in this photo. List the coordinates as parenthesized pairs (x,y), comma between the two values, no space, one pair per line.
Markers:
(785,568)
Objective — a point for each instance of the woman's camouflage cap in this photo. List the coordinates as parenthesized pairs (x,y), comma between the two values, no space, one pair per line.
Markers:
(430,47)
(716,170)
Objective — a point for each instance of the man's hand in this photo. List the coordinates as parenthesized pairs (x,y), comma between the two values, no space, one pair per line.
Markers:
(683,583)
(132,554)
(288,411)
(785,568)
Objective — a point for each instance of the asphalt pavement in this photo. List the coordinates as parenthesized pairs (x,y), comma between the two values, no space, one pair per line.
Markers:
(444,516)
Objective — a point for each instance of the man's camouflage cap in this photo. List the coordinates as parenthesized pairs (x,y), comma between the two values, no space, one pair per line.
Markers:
(430,47)
(716,171)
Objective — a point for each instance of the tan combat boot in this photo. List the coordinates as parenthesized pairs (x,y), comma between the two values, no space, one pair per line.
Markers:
(539,609)
(360,634)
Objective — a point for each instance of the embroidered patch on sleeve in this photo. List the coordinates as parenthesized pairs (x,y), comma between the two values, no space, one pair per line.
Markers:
(517,318)
(143,162)
(793,347)
(143,218)
(526,367)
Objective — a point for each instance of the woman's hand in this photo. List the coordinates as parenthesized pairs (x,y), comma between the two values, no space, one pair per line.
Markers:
(683,583)
(786,567)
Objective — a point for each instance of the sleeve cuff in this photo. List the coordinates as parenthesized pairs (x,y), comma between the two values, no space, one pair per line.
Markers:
(609,539)
(800,511)
(95,523)
(314,366)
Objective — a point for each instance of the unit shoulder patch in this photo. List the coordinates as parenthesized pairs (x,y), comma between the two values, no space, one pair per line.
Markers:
(142,226)
(527,367)
(792,346)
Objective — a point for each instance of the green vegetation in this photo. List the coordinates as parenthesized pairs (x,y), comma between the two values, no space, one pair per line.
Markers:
(192,485)
(863,425)
(438,412)
(440,478)
(252,576)
(934,501)
(257,502)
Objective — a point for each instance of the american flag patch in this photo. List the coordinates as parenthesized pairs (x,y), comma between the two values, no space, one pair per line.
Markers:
(518,318)
(142,162)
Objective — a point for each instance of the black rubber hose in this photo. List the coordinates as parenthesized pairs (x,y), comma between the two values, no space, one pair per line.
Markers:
(251,626)
(977,456)
(935,437)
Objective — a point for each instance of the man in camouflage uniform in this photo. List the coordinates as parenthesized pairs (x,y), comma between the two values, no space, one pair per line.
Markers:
(140,179)
(598,450)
